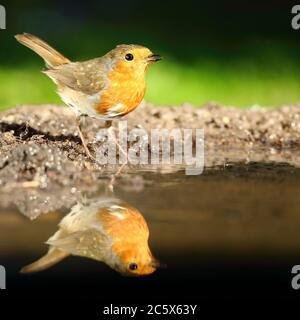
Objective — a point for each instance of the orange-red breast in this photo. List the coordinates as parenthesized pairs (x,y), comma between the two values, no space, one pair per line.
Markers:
(106,88)
(107,230)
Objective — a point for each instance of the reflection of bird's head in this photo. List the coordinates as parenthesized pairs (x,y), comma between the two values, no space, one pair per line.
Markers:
(129,233)
(135,259)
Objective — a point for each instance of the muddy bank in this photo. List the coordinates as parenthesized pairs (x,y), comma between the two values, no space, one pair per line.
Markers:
(40,148)
(45,137)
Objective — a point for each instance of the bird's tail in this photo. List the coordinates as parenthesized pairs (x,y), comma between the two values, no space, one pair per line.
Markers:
(53,256)
(50,55)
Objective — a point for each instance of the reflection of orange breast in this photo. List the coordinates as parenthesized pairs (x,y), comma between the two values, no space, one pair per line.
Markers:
(123,222)
(125,92)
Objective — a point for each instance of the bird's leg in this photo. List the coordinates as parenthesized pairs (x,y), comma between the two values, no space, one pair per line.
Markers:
(108,125)
(113,178)
(79,120)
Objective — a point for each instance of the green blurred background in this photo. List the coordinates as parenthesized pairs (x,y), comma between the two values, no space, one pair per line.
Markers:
(238,53)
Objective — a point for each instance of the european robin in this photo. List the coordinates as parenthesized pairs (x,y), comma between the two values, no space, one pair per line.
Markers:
(107,230)
(105,88)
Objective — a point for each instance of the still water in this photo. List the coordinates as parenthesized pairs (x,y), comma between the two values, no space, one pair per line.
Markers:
(232,232)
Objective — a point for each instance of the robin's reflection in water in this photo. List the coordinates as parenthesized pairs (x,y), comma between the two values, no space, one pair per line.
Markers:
(104,229)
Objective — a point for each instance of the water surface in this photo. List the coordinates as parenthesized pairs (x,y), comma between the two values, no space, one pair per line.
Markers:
(232,232)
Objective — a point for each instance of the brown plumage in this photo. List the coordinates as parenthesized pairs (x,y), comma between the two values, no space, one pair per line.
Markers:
(52,57)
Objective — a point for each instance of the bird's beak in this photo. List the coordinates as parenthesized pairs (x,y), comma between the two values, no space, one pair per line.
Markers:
(154,58)
(157,265)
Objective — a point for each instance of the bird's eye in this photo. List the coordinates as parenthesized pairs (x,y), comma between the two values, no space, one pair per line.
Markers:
(133,266)
(129,57)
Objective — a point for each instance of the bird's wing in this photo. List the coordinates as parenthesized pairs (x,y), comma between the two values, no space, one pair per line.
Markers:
(89,243)
(89,77)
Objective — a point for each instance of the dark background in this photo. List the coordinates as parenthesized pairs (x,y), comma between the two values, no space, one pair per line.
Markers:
(219,285)
(233,52)
(181,29)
